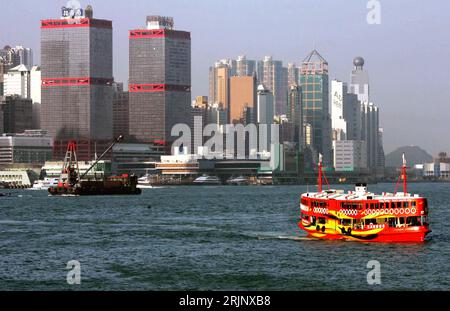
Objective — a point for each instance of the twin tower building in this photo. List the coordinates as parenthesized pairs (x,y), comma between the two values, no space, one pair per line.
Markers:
(77,81)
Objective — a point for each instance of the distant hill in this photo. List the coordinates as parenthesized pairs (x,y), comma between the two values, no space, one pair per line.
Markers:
(414,155)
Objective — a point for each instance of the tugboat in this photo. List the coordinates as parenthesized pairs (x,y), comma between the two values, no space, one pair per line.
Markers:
(70,181)
(364,216)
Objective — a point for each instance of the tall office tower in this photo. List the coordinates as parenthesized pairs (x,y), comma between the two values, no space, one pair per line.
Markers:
(219,81)
(369,115)
(274,77)
(121,106)
(338,101)
(265,115)
(381,157)
(370,132)
(242,96)
(77,76)
(352,116)
(17,82)
(160,80)
(294,112)
(314,83)
(245,67)
(293,72)
(2,71)
(17,113)
(359,80)
(35,95)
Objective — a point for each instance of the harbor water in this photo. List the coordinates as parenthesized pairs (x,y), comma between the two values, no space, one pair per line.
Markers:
(205,238)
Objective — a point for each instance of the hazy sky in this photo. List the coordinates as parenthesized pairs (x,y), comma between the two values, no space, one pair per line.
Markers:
(407,55)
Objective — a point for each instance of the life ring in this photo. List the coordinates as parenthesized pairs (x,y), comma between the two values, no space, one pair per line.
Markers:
(407,211)
(391,211)
(413,210)
(402,210)
(396,211)
(382,211)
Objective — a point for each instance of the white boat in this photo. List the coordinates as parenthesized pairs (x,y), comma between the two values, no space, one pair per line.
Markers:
(207,180)
(44,184)
(241,180)
(144,182)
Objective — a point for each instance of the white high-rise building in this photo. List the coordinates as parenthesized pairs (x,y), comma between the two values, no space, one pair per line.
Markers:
(338,98)
(349,155)
(17,82)
(35,94)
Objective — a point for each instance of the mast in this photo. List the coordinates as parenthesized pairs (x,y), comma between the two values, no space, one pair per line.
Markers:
(319,178)
(404,175)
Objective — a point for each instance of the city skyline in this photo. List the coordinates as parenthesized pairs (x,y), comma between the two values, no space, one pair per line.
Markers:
(409,84)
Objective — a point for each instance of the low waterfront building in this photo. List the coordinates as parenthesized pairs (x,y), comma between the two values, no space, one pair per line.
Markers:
(28,147)
(15,178)
(102,169)
(138,159)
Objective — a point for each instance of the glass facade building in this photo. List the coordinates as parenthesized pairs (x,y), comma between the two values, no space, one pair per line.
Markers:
(160,83)
(77,76)
(315,89)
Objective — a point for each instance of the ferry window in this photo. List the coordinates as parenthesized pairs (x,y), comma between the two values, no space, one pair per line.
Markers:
(401,220)
(346,222)
(405,204)
(382,205)
(413,203)
(425,203)
(399,204)
(322,220)
(372,205)
(367,205)
(391,222)
(393,205)
(376,205)
(313,220)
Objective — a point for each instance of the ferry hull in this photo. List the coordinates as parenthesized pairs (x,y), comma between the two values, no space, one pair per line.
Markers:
(416,234)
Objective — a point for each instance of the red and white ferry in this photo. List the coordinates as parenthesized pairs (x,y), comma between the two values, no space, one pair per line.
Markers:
(364,216)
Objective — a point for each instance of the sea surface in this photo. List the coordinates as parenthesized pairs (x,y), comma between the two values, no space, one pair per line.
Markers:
(205,238)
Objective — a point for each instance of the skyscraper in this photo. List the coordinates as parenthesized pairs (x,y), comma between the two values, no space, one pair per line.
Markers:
(219,83)
(242,96)
(314,83)
(245,67)
(77,76)
(338,100)
(294,112)
(359,80)
(370,128)
(160,80)
(265,115)
(274,77)
(293,72)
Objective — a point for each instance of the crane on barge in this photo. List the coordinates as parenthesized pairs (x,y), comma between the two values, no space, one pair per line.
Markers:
(70,181)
